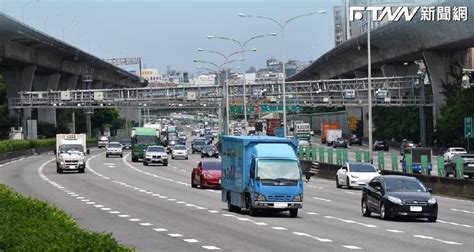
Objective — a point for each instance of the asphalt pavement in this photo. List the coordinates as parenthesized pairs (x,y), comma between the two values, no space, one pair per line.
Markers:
(154,208)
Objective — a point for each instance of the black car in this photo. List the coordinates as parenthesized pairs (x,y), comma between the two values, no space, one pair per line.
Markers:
(355,140)
(209,151)
(126,144)
(340,142)
(468,163)
(398,196)
(197,144)
(380,145)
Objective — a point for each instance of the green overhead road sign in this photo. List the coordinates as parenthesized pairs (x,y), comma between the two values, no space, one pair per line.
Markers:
(468,127)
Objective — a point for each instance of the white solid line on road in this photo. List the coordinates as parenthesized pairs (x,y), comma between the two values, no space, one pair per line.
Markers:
(327,200)
(351,247)
(279,228)
(190,240)
(175,235)
(145,224)
(393,230)
(211,247)
(160,229)
(124,215)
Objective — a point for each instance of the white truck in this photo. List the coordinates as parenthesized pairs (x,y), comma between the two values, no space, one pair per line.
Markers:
(71,152)
(332,135)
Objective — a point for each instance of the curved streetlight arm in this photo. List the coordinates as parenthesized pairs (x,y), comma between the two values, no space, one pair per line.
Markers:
(242,51)
(300,16)
(207,62)
(225,38)
(215,52)
(271,19)
(259,36)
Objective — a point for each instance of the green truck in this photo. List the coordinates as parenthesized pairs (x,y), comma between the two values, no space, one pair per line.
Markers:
(141,139)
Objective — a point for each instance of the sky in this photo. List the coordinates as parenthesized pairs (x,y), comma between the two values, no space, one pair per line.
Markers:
(169,32)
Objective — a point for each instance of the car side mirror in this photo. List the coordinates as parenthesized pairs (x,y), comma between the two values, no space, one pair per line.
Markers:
(88,152)
(430,190)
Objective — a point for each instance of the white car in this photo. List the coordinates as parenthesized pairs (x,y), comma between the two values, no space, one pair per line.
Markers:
(355,174)
(452,151)
(155,154)
(179,151)
(114,148)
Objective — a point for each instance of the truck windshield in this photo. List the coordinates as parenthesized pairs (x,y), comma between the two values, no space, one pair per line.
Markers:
(145,139)
(71,148)
(278,169)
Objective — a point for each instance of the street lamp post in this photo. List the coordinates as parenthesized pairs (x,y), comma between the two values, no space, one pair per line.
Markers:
(242,50)
(282,28)
(218,75)
(369,83)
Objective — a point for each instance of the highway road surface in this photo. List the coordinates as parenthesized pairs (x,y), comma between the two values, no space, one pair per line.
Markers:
(154,208)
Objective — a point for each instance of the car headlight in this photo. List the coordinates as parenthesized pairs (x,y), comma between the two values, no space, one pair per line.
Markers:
(61,162)
(298,198)
(354,176)
(432,201)
(81,162)
(395,200)
(148,156)
(259,197)
(165,156)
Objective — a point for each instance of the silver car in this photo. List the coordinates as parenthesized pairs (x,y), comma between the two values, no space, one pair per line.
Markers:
(155,154)
(179,151)
(114,148)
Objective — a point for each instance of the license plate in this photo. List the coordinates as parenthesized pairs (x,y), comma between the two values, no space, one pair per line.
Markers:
(280,205)
(72,167)
(416,208)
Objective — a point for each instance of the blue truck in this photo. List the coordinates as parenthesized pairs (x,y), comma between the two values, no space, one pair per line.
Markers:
(261,173)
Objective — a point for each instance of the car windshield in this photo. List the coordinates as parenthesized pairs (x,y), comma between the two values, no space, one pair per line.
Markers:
(211,166)
(278,169)
(458,150)
(114,146)
(403,185)
(209,147)
(71,148)
(362,168)
(156,149)
(179,147)
(146,139)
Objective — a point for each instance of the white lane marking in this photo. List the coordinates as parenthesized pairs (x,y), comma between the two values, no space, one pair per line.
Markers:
(312,213)
(211,247)
(160,229)
(435,239)
(172,199)
(317,187)
(461,210)
(228,215)
(124,216)
(190,240)
(114,212)
(279,228)
(180,202)
(454,223)
(90,203)
(134,220)
(163,197)
(145,224)
(105,209)
(98,206)
(85,200)
(261,223)
(80,197)
(350,192)
(327,200)
(314,237)
(175,235)
(393,230)
(213,211)
(351,247)
(350,221)
(200,208)
(190,205)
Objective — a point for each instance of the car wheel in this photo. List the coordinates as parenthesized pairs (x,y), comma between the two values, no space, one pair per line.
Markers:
(172,157)
(106,155)
(469,176)
(383,212)
(145,163)
(165,164)
(337,182)
(82,170)
(121,155)
(59,170)
(193,151)
(432,218)
(202,156)
(192,182)
(186,157)
(294,213)
(365,210)
(348,183)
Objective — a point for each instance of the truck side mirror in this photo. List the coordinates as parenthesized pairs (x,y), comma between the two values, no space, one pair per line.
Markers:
(88,151)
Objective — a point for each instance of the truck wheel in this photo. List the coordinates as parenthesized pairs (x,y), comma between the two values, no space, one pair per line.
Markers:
(294,213)
(231,207)
(59,170)
(134,159)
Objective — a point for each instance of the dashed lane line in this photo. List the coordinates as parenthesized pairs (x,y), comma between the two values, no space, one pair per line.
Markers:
(454,224)
(462,211)
(435,239)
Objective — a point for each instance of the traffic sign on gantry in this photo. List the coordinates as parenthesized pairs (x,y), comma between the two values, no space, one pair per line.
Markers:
(468,127)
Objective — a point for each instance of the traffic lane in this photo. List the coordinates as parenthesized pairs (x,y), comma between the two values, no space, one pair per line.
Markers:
(449,222)
(328,189)
(305,229)
(189,208)
(24,178)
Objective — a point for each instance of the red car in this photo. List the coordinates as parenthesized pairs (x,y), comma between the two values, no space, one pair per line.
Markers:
(206,174)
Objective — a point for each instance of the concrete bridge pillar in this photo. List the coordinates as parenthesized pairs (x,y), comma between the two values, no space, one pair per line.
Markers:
(68,82)
(44,83)
(439,65)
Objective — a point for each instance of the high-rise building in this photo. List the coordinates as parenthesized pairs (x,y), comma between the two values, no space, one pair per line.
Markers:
(339,25)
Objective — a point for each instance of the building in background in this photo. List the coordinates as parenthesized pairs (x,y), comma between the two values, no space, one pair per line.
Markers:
(152,75)
(339,25)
